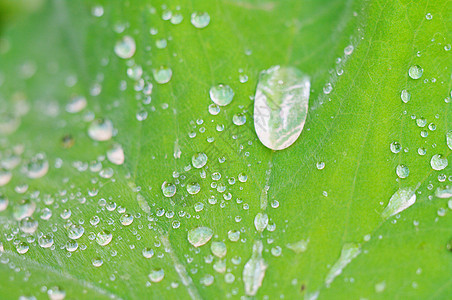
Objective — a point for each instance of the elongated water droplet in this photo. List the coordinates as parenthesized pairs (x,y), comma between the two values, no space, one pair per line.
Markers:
(400,200)
(348,253)
(200,236)
(261,221)
(281,106)
(5,176)
(298,247)
(405,96)
(254,270)
(125,47)
(449,139)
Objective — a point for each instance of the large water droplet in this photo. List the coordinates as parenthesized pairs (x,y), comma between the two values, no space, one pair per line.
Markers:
(402,171)
(199,160)
(415,72)
(261,221)
(200,19)
(75,231)
(200,236)
(156,275)
(101,130)
(125,47)
(76,104)
(193,188)
(254,270)
(400,200)
(104,237)
(162,75)
(168,189)
(37,167)
(45,241)
(5,176)
(280,106)
(218,249)
(116,155)
(438,162)
(28,225)
(221,94)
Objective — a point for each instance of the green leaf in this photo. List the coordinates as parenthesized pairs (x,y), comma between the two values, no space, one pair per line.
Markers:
(311,221)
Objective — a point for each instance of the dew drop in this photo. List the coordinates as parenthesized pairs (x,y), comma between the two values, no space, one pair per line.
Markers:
(28,225)
(281,105)
(348,253)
